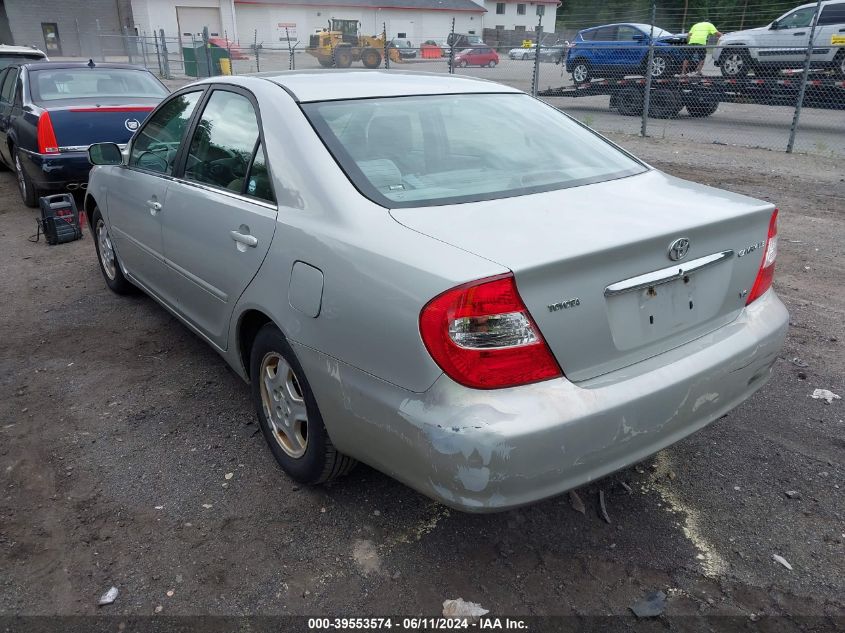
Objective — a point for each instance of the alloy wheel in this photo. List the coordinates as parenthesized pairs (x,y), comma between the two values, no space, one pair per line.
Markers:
(284,405)
(104,245)
(733,64)
(658,66)
(21,178)
(580,73)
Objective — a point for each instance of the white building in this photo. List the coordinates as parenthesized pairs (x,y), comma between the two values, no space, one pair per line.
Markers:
(518,15)
(272,21)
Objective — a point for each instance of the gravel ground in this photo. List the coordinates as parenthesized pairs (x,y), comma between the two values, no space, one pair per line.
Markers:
(130,456)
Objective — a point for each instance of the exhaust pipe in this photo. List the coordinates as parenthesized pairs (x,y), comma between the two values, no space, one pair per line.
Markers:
(72,186)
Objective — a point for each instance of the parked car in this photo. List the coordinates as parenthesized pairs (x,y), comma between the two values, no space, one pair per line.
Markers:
(20,55)
(50,112)
(616,50)
(522,53)
(476,56)
(783,43)
(404,48)
(401,285)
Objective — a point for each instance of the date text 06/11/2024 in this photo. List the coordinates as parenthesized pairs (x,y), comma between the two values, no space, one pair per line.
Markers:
(415,623)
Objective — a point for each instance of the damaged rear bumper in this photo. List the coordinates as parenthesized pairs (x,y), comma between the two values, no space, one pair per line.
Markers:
(491,450)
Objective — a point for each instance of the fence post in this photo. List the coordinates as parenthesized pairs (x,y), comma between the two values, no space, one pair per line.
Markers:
(127,43)
(386,50)
(158,55)
(144,48)
(647,92)
(535,77)
(165,62)
(255,49)
(451,43)
(291,60)
(206,50)
(804,77)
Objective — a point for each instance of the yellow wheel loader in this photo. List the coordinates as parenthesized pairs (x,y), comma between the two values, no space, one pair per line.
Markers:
(341,44)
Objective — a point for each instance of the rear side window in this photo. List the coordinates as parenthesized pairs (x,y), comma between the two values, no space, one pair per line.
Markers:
(833,14)
(258,183)
(224,142)
(7,92)
(157,144)
(605,34)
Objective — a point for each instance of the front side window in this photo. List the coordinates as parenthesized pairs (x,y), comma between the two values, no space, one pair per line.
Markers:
(157,143)
(223,143)
(500,8)
(605,34)
(797,19)
(445,149)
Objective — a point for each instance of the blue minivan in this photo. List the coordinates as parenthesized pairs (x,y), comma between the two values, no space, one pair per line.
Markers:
(616,50)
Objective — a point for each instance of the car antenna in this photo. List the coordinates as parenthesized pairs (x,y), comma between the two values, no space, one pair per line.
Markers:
(91,63)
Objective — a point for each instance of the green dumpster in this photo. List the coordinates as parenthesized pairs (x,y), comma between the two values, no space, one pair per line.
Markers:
(196,59)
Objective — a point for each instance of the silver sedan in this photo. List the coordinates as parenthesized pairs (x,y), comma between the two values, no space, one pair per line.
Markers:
(441,277)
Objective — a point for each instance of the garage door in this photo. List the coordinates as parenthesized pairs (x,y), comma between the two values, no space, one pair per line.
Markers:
(193,19)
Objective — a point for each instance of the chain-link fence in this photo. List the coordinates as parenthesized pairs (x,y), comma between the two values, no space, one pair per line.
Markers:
(768,88)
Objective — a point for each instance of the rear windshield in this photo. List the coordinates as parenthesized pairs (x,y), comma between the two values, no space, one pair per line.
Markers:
(69,83)
(6,60)
(445,149)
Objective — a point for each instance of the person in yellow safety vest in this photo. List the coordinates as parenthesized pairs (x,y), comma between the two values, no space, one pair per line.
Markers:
(697,36)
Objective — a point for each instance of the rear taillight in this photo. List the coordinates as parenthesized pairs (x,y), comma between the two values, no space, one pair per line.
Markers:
(767,266)
(47,143)
(483,337)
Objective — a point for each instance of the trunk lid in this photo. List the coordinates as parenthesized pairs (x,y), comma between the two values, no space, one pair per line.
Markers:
(83,124)
(592,263)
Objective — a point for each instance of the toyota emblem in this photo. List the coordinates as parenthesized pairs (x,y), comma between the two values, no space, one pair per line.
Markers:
(679,249)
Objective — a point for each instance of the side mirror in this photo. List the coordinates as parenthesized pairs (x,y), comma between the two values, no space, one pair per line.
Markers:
(105,154)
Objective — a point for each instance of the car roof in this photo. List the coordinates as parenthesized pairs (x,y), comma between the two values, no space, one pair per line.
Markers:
(328,85)
(59,65)
(23,50)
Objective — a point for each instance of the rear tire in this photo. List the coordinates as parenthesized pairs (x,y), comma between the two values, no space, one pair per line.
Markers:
(288,413)
(702,110)
(29,192)
(107,257)
(462,64)
(665,104)
(661,66)
(581,72)
(629,102)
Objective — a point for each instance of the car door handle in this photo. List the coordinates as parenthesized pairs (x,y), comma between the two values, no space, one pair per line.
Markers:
(801,33)
(154,206)
(248,240)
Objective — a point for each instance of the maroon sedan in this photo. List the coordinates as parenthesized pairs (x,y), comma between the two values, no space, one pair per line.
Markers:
(477,56)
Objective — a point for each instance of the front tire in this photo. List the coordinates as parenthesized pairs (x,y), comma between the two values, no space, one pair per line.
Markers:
(491,64)
(106,255)
(735,63)
(342,57)
(288,413)
(29,192)
(371,58)
(661,66)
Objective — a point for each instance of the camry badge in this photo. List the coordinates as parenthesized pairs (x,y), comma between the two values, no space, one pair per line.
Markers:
(678,249)
(132,124)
